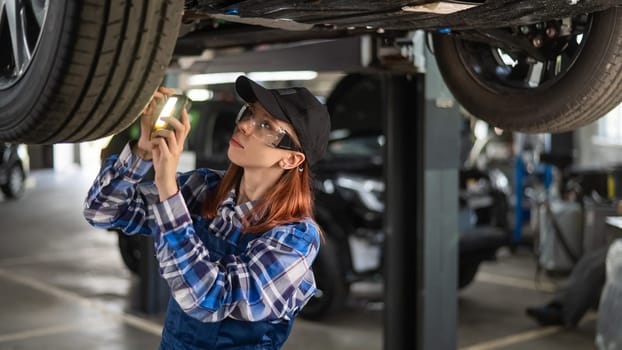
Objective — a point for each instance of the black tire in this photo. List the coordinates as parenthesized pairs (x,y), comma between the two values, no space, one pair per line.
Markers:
(14,187)
(587,88)
(94,68)
(331,284)
(131,253)
(466,274)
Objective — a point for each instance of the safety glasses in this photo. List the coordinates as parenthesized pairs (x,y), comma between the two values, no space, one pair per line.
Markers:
(267,131)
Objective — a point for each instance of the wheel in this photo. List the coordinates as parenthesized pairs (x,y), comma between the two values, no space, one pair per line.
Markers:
(545,77)
(466,274)
(129,247)
(74,70)
(330,281)
(14,188)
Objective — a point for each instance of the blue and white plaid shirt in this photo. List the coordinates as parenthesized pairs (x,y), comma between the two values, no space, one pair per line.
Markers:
(271,280)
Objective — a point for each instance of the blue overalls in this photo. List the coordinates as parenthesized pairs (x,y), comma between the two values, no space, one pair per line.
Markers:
(184,332)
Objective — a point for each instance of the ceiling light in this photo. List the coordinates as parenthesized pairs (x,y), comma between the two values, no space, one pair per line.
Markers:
(283,75)
(229,78)
(213,78)
(200,94)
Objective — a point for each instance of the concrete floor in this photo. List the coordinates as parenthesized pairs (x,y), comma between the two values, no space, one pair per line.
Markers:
(64,286)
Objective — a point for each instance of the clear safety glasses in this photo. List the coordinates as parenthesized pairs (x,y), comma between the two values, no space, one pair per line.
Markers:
(266,130)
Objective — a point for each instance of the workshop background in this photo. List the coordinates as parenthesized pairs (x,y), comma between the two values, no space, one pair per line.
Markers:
(526,209)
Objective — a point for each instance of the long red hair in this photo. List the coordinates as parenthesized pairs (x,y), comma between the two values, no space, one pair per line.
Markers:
(290,200)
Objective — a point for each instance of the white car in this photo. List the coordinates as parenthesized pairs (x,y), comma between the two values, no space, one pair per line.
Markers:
(74,70)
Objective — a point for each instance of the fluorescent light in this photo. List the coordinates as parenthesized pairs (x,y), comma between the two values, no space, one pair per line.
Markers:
(213,78)
(200,94)
(229,78)
(283,75)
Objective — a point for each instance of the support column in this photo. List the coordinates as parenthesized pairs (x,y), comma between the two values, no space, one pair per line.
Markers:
(423,139)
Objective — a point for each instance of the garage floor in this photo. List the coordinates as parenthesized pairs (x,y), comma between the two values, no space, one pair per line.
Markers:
(64,286)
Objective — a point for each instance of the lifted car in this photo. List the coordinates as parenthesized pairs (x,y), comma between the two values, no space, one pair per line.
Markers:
(75,70)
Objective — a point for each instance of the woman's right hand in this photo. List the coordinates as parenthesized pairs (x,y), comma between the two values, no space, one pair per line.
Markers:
(143,148)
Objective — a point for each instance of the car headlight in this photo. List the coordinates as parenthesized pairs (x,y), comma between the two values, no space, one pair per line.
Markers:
(22,152)
(369,191)
(500,181)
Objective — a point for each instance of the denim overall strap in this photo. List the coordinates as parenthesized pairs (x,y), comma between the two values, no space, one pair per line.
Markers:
(184,332)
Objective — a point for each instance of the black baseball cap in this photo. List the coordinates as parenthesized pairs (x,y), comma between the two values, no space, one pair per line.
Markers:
(297,106)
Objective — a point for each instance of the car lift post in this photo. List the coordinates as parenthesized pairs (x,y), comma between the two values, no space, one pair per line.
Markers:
(421,215)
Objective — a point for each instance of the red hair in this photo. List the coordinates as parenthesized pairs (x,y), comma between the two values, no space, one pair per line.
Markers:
(290,200)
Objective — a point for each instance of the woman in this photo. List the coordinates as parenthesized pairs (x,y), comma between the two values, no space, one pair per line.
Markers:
(235,247)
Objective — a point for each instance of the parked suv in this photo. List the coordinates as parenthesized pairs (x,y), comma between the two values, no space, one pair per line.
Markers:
(350,195)
(14,167)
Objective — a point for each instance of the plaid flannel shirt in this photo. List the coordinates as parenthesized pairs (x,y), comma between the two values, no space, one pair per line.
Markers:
(271,280)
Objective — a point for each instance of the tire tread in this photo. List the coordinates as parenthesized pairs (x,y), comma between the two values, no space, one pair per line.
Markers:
(101,82)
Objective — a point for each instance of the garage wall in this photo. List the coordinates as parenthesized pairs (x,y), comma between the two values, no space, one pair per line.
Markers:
(595,151)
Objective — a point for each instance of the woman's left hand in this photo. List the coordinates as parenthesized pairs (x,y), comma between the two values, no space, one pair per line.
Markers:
(167,148)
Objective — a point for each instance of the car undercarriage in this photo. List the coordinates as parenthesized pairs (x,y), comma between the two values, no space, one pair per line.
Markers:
(254,22)
(74,71)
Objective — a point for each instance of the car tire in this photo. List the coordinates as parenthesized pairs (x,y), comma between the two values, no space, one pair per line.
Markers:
(590,86)
(92,70)
(130,249)
(466,273)
(14,188)
(329,279)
